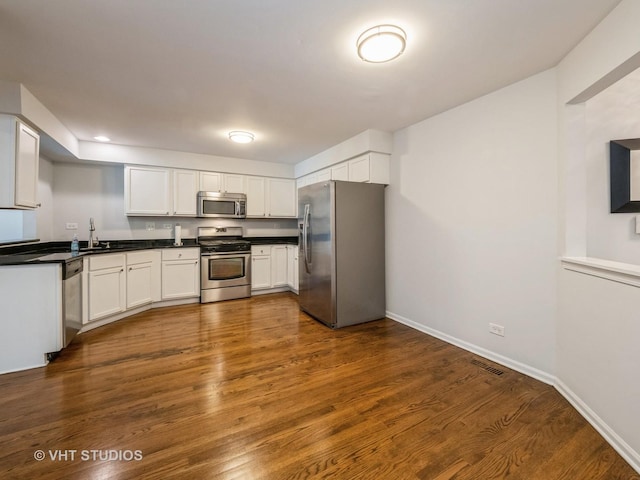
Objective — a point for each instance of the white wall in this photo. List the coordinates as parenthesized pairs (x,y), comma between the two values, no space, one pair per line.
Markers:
(471,223)
(123,154)
(44,214)
(597,329)
(613,114)
(598,356)
(85,190)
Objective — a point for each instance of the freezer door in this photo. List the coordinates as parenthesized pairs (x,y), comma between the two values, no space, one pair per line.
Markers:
(316,289)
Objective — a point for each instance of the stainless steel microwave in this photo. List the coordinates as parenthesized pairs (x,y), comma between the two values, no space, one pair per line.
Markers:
(222,205)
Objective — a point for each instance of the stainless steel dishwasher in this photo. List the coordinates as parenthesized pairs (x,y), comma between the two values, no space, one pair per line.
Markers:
(71,299)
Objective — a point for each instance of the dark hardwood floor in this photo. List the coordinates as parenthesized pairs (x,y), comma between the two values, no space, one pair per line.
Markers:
(255,389)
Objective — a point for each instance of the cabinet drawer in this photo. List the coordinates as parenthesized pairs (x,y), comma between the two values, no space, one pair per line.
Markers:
(98,262)
(261,250)
(181,254)
(145,256)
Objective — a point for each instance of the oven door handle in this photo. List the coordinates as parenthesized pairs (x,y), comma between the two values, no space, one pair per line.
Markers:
(306,243)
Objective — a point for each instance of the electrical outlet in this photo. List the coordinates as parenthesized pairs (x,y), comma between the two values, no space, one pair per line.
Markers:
(167,226)
(71,226)
(151,225)
(496,329)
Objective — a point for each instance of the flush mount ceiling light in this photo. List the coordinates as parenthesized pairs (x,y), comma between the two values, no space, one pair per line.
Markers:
(102,138)
(240,136)
(381,43)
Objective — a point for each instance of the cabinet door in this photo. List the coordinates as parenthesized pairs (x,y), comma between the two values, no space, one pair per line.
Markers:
(210,182)
(255,197)
(260,271)
(27,161)
(278,265)
(180,279)
(139,285)
(359,169)
(234,183)
(106,292)
(282,197)
(292,267)
(340,172)
(185,190)
(147,191)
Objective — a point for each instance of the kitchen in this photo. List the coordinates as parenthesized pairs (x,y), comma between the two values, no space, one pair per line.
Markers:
(507,275)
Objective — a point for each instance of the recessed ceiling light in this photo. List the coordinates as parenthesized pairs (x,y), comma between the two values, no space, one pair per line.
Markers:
(102,138)
(241,137)
(381,43)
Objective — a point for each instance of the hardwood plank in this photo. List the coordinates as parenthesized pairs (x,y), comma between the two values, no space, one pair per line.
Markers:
(256,389)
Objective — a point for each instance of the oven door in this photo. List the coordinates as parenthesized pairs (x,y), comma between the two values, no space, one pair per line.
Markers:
(219,270)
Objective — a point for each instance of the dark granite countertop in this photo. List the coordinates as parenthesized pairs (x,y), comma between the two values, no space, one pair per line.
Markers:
(272,240)
(60,252)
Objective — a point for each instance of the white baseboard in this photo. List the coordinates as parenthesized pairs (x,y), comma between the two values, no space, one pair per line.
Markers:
(483,352)
(611,437)
(619,445)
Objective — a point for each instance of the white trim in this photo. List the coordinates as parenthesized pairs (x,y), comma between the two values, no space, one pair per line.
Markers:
(143,308)
(619,445)
(266,291)
(610,436)
(488,354)
(626,273)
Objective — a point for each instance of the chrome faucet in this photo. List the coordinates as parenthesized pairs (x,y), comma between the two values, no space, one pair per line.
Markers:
(92,228)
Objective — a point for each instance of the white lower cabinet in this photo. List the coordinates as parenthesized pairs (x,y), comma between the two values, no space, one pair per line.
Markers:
(270,267)
(107,285)
(292,267)
(117,282)
(260,267)
(278,265)
(180,273)
(143,278)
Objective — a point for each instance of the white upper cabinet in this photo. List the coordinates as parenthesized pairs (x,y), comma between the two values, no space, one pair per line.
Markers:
(19,161)
(233,183)
(222,182)
(371,168)
(185,190)
(156,191)
(340,172)
(281,195)
(256,204)
(323,176)
(271,197)
(147,191)
(210,182)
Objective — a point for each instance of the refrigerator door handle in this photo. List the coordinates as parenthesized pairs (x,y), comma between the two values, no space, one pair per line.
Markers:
(305,237)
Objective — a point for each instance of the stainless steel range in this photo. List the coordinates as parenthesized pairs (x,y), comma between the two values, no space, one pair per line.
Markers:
(225,264)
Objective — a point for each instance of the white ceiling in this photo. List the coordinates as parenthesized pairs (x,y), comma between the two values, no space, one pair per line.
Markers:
(179,74)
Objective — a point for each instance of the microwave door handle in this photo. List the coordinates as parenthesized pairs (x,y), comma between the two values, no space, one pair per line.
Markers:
(237,208)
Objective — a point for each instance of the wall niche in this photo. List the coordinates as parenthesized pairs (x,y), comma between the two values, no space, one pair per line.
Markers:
(624,174)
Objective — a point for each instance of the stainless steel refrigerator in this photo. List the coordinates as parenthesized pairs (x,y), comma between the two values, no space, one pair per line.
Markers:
(341,259)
